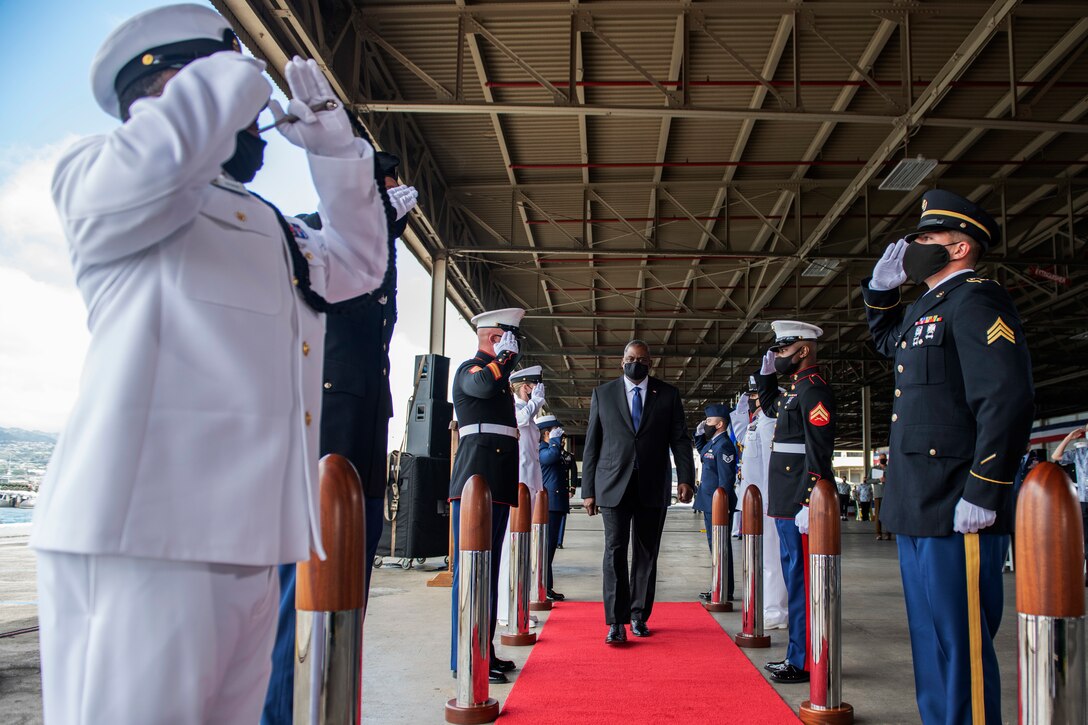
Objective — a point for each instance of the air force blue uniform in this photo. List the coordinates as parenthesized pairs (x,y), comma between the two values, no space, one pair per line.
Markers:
(961,418)
(719,460)
(555,466)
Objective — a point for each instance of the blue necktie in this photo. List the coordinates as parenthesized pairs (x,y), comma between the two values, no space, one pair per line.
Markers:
(636,407)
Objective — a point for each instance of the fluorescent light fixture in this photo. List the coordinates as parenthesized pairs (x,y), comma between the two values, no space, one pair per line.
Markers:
(907,174)
(761,326)
(820,267)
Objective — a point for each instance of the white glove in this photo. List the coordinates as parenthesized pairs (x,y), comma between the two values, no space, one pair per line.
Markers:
(537,396)
(701,428)
(403,199)
(888,273)
(969,518)
(801,519)
(557,432)
(324,133)
(508,343)
(236,80)
(768,363)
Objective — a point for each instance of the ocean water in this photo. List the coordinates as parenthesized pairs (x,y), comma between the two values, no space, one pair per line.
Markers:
(16,516)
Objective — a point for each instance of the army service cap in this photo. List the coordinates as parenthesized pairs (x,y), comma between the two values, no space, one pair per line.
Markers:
(545,422)
(787,332)
(167,37)
(532,374)
(508,319)
(943,211)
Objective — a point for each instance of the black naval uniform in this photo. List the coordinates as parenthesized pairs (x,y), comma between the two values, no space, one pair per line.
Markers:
(961,418)
(481,395)
(801,452)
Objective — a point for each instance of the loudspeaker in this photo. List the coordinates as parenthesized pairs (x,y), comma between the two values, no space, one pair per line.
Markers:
(434,378)
(417,511)
(428,431)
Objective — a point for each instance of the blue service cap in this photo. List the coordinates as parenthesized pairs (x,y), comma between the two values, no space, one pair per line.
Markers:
(945,211)
(717,410)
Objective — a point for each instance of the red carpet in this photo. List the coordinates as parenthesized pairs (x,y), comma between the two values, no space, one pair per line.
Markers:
(687,671)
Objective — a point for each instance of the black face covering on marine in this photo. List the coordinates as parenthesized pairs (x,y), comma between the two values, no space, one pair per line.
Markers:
(248,157)
(922,261)
(786,365)
(635,371)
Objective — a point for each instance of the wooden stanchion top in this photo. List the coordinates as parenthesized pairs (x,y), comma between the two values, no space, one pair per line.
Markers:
(719,508)
(540,508)
(475,532)
(1049,545)
(751,520)
(521,516)
(336,584)
(824,532)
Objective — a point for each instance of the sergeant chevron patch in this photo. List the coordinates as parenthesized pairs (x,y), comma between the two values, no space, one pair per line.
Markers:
(819,415)
(1000,330)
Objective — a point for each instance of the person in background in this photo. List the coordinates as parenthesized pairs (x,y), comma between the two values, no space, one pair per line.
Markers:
(865,498)
(878,496)
(718,457)
(1077,456)
(555,465)
(842,487)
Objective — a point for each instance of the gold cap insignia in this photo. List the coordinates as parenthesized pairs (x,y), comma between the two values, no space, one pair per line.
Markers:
(925,204)
(147,59)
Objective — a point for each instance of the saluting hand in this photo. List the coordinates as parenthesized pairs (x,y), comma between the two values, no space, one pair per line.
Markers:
(324,133)
(888,273)
(768,363)
(403,198)
(537,396)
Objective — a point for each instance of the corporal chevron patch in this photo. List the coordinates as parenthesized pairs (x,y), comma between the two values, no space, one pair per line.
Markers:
(999,330)
(819,415)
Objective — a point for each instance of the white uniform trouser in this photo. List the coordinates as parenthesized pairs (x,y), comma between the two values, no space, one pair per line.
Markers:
(775,599)
(503,607)
(129,640)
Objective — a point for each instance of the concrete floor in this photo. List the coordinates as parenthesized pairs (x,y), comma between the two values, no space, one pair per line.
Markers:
(407,678)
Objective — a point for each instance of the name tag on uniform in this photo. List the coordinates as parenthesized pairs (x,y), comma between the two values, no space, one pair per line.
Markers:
(927,331)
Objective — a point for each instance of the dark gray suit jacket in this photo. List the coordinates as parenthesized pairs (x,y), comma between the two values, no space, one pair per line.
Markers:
(612,445)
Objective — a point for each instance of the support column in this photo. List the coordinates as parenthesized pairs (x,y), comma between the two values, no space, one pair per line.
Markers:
(866,430)
(438,304)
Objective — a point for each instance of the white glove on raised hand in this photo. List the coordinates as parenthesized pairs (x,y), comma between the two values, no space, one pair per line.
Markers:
(701,428)
(768,363)
(801,519)
(324,133)
(888,273)
(508,343)
(403,199)
(969,518)
(557,433)
(537,396)
(235,82)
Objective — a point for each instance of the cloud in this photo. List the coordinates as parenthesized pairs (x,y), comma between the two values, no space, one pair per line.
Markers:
(31,238)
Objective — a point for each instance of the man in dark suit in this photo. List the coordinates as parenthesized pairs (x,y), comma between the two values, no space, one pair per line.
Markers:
(634,423)
(488,447)
(961,419)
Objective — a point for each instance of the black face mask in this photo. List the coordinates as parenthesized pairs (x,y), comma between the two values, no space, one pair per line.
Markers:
(635,371)
(753,405)
(248,157)
(786,365)
(922,261)
(399,226)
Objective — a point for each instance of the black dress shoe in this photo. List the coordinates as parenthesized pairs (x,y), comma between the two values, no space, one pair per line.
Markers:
(639,628)
(789,674)
(705,596)
(775,666)
(503,665)
(555,596)
(496,677)
(616,633)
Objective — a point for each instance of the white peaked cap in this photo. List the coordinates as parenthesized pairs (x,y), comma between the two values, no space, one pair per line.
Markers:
(140,33)
(547,421)
(787,332)
(532,374)
(509,317)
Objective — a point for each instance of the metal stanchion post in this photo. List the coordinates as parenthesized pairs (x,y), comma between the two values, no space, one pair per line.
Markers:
(719,543)
(472,704)
(1050,623)
(329,602)
(517,630)
(825,703)
(540,601)
(751,529)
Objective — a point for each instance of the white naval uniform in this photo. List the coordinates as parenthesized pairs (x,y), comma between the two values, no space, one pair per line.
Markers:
(755,465)
(530,474)
(738,419)
(195,434)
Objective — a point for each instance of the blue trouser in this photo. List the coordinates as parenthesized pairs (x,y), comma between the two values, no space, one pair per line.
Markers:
(940,574)
(279,701)
(563,530)
(500,513)
(555,523)
(793,570)
(708,521)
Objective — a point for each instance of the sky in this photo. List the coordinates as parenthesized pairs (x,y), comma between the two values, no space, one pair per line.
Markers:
(43,333)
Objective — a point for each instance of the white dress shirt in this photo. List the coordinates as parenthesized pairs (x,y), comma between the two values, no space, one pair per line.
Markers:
(630,385)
